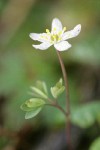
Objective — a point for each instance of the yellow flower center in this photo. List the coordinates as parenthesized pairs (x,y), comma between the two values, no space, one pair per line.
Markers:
(54,37)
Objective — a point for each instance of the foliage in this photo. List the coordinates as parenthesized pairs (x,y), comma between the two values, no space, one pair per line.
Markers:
(34,105)
(95,145)
(40,90)
(86,115)
(20,65)
(32,113)
(57,89)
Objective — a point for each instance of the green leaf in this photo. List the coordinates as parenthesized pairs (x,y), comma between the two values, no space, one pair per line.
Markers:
(57,89)
(59,84)
(86,115)
(95,145)
(42,86)
(33,113)
(25,108)
(56,92)
(38,92)
(32,103)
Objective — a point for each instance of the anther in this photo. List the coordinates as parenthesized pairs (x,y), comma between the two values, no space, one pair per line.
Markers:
(64,29)
(47,30)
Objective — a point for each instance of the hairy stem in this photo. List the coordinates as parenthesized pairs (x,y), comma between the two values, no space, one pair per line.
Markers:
(67,100)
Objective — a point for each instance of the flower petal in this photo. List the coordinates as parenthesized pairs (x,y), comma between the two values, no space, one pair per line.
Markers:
(42,46)
(56,26)
(41,37)
(72,33)
(62,46)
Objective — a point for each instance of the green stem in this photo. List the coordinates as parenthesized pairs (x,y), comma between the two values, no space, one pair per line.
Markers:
(67,100)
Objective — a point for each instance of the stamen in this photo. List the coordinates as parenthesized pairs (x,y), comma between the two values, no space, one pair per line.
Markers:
(64,29)
(54,36)
(47,30)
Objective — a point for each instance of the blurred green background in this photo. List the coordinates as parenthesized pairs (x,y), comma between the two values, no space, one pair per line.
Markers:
(21,65)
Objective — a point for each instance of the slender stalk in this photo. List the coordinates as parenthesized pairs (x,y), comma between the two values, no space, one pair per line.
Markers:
(67,100)
(55,104)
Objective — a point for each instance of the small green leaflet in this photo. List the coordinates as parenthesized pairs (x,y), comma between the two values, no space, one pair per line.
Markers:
(42,86)
(57,89)
(33,113)
(32,103)
(38,92)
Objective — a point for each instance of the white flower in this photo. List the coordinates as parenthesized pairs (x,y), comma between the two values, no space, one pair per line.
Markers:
(56,37)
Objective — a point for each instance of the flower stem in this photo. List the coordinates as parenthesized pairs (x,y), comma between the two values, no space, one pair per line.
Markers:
(67,101)
(55,104)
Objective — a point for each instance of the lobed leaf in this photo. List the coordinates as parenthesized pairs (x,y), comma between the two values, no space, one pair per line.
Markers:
(25,108)
(57,89)
(59,83)
(42,86)
(33,113)
(56,92)
(38,92)
(32,103)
